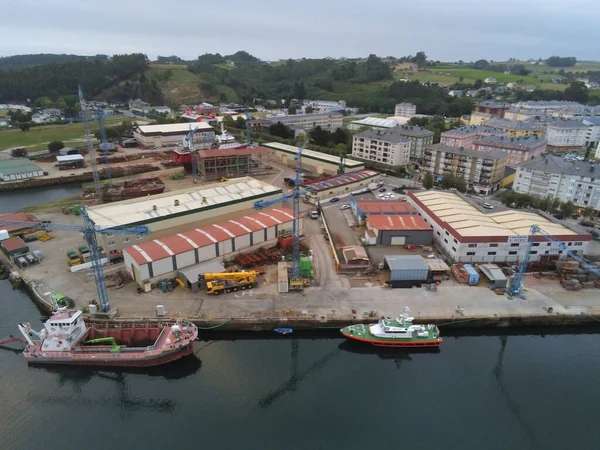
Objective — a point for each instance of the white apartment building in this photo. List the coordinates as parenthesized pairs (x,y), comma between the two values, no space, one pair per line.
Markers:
(405,110)
(564,135)
(592,136)
(328,121)
(384,147)
(553,176)
(467,234)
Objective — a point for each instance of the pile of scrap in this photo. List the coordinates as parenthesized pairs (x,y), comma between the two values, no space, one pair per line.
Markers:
(465,274)
(573,277)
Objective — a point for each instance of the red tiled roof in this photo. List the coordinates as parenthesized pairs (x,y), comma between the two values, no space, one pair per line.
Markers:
(14,243)
(233,152)
(386,206)
(168,246)
(20,216)
(397,223)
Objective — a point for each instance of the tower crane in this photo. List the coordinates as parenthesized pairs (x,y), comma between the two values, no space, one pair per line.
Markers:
(516,284)
(248,131)
(90,146)
(104,144)
(188,141)
(295,279)
(89,230)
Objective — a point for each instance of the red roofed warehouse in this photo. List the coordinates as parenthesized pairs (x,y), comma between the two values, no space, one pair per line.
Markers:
(397,230)
(341,185)
(161,258)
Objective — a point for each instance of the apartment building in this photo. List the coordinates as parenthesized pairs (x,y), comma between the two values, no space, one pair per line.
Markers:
(483,171)
(517,128)
(553,176)
(592,136)
(384,147)
(518,149)
(418,137)
(564,135)
(494,109)
(328,121)
(466,136)
(405,110)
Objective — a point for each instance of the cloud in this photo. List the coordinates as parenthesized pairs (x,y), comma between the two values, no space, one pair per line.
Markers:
(269,29)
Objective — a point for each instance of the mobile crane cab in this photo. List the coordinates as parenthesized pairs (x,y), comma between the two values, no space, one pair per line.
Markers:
(217,283)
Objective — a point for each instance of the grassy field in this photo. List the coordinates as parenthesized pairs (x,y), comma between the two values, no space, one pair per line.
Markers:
(181,87)
(37,138)
(169,66)
(3,112)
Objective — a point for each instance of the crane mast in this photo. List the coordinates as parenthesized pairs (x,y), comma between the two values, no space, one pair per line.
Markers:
(104,144)
(90,145)
(188,141)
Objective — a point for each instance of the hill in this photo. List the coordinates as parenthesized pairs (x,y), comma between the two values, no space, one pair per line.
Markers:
(22,61)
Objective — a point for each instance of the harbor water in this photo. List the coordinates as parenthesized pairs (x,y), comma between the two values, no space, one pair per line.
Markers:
(13,201)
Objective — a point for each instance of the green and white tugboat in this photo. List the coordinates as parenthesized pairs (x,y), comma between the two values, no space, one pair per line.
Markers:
(398,332)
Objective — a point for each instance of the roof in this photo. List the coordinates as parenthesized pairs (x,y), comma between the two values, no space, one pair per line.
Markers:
(167,246)
(385,207)
(14,243)
(492,104)
(233,152)
(385,136)
(592,120)
(437,265)
(469,221)
(492,271)
(191,200)
(340,180)
(68,158)
(497,122)
(572,124)
(20,217)
(191,272)
(467,152)
(294,117)
(529,141)
(16,166)
(413,131)
(562,166)
(173,128)
(354,253)
(397,223)
(405,262)
(311,154)
(376,122)
(472,129)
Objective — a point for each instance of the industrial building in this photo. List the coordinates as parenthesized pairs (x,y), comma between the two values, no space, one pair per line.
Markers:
(405,110)
(383,147)
(317,162)
(363,209)
(175,211)
(341,185)
(406,268)
(397,230)
(171,134)
(19,169)
(328,121)
(231,163)
(149,261)
(374,123)
(21,229)
(465,233)
(483,171)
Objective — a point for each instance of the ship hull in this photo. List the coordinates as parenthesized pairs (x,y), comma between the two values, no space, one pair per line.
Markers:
(408,343)
(133,194)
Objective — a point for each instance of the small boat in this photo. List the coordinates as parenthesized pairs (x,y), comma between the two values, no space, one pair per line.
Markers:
(400,332)
(284,330)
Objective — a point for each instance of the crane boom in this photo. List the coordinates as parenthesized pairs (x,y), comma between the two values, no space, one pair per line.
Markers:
(104,144)
(227,275)
(90,145)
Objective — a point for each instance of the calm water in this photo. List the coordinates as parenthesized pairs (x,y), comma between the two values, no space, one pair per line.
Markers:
(16,200)
(248,394)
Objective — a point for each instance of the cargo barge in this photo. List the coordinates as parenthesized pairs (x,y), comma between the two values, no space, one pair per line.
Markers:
(126,190)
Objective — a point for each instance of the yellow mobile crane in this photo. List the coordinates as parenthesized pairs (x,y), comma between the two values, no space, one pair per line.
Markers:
(216,283)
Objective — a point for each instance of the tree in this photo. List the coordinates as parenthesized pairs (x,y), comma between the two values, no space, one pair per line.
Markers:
(427,180)
(228,121)
(568,208)
(240,123)
(420,58)
(280,130)
(588,212)
(341,149)
(481,64)
(460,184)
(55,146)
(478,83)
(25,126)
(558,61)
(18,153)
(577,92)
(292,110)
(309,110)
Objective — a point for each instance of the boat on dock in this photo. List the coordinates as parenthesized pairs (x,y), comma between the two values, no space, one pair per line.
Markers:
(400,332)
(67,339)
(127,189)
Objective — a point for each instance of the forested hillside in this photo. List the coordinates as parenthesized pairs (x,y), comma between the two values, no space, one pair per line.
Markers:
(22,61)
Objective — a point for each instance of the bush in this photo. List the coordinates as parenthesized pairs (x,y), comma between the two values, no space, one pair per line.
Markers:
(18,153)
(55,146)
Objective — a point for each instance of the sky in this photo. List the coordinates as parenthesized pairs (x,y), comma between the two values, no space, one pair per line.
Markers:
(278,29)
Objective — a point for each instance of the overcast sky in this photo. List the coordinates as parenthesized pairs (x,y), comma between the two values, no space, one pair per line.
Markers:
(446,30)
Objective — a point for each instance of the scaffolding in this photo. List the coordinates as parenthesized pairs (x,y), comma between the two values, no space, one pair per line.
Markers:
(214,164)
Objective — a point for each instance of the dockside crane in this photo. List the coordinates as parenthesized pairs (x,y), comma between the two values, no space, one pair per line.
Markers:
(516,284)
(90,145)
(295,278)
(104,144)
(89,230)
(188,141)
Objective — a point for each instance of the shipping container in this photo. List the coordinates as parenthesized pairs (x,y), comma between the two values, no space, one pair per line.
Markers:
(407,267)
(473,275)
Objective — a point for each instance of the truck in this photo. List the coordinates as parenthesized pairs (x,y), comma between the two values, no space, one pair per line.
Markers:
(225,282)
(73,258)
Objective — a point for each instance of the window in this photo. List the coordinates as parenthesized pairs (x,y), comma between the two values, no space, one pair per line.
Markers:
(454,248)
(533,252)
(470,253)
(111,243)
(493,245)
(455,241)
(577,244)
(512,253)
(109,234)
(569,244)
(438,233)
(472,245)
(514,245)
(491,253)
(126,240)
(536,244)
(446,241)
(447,234)
(139,238)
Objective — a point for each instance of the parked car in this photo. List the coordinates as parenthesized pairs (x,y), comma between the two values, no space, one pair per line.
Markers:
(382,190)
(343,207)
(558,216)
(586,223)
(334,199)
(487,206)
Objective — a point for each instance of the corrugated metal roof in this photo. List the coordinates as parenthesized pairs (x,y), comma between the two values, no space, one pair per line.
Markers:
(403,262)
(311,154)
(68,158)
(385,207)
(168,246)
(493,272)
(13,243)
(376,122)
(170,128)
(20,217)
(233,152)
(347,178)
(390,223)
(16,166)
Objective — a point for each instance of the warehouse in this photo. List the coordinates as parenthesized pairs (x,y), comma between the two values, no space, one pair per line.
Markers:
(150,136)
(19,230)
(341,185)
(397,230)
(317,162)
(231,163)
(175,211)
(19,169)
(406,270)
(155,259)
(464,233)
(380,208)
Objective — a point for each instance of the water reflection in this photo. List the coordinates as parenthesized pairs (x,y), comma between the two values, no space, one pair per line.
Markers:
(398,355)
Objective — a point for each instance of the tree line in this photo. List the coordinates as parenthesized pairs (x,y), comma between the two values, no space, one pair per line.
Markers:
(551,205)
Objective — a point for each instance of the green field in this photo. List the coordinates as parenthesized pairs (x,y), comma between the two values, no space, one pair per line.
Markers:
(37,138)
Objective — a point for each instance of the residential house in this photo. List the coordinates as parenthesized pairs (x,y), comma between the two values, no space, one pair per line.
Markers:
(139,106)
(405,110)
(490,80)
(592,137)
(465,136)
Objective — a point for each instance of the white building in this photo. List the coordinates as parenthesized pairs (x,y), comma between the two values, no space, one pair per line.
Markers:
(465,233)
(553,176)
(405,110)
(384,147)
(328,121)
(373,123)
(172,134)
(592,136)
(490,80)
(564,135)
(320,106)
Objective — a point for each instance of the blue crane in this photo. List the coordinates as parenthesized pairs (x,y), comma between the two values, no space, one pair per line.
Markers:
(295,279)
(89,230)
(90,146)
(516,284)
(104,144)
(188,141)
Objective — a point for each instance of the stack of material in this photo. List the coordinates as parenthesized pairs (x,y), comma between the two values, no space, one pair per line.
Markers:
(460,274)
(571,284)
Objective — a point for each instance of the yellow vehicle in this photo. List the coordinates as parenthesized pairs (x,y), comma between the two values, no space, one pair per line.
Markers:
(216,283)
(73,258)
(222,179)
